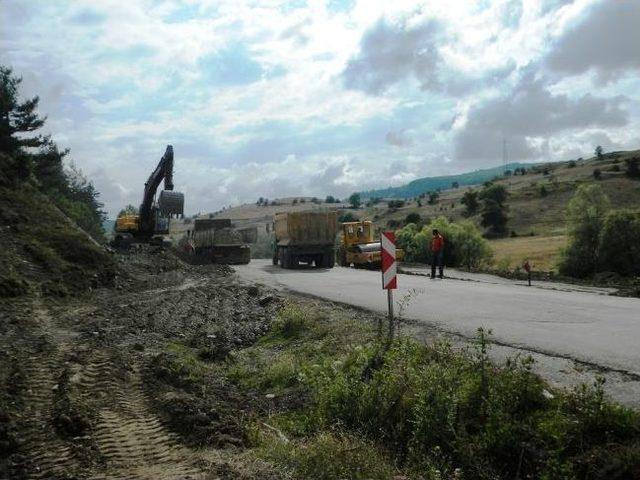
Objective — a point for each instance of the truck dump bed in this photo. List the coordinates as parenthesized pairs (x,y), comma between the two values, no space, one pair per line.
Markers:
(313,227)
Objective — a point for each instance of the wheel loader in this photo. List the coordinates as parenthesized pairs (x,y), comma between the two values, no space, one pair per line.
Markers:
(359,248)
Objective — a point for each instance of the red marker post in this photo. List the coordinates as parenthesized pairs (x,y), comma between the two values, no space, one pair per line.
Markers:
(389,273)
(527,267)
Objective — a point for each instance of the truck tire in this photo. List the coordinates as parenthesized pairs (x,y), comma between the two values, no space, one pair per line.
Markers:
(331,260)
(342,257)
(286,259)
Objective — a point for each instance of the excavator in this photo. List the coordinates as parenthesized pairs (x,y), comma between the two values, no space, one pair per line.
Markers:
(360,248)
(151,224)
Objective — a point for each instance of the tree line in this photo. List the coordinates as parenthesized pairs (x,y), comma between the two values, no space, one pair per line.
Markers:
(27,156)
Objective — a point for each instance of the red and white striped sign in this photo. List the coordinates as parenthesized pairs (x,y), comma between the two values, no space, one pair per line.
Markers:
(389,270)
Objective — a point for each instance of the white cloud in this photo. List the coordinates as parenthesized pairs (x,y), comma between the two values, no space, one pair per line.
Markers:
(252,94)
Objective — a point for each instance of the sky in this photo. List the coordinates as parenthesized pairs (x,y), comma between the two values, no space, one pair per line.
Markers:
(274,98)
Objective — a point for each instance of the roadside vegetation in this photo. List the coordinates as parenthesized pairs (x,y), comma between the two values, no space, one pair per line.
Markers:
(600,239)
(42,204)
(465,246)
(333,402)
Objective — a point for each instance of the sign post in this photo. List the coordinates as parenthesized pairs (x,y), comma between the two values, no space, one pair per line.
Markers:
(389,273)
(527,268)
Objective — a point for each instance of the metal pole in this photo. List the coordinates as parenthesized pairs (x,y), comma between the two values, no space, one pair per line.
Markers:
(390,301)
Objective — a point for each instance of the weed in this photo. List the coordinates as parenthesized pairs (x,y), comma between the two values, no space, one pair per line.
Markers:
(292,321)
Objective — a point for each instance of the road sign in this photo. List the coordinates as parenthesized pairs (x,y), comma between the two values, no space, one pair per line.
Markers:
(389,269)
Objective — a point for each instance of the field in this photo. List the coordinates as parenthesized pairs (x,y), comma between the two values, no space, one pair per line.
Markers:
(542,252)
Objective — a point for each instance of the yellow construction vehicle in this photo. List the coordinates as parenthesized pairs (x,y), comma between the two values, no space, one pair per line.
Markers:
(359,247)
(151,224)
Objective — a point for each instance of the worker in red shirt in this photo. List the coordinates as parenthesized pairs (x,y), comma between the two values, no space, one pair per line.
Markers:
(437,252)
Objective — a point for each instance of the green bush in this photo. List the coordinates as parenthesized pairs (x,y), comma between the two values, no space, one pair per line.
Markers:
(619,243)
(437,409)
(413,218)
(464,245)
(585,218)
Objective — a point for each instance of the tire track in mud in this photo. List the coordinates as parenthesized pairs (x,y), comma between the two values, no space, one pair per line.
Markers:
(132,440)
(45,454)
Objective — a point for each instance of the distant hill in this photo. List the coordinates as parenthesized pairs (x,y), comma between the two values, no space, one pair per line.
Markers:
(429,184)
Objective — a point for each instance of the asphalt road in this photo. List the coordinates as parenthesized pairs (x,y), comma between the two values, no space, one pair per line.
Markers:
(584,326)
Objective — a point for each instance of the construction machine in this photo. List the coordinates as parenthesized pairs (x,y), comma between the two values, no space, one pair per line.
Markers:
(151,224)
(214,240)
(305,237)
(359,247)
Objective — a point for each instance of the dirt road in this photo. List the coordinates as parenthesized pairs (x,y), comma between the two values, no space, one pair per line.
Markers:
(559,326)
(81,397)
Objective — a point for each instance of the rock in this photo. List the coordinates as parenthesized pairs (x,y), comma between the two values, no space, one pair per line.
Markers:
(266,300)
(270,396)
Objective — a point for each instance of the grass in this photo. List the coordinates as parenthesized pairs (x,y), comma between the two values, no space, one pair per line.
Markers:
(333,403)
(42,250)
(542,252)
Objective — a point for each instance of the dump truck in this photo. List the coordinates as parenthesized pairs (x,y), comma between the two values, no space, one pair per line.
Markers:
(214,240)
(359,247)
(305,237)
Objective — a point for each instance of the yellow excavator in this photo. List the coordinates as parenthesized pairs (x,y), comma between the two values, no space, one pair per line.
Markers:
(359,248)
(151,224)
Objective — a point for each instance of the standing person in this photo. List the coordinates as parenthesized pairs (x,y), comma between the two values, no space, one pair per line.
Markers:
(437,250)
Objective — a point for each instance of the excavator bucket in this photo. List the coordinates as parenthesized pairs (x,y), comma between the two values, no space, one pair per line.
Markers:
(171,203)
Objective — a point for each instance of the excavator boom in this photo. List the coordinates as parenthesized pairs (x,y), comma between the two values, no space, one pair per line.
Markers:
(170,202)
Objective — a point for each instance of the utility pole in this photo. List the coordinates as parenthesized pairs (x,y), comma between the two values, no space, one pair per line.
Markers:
(504,155)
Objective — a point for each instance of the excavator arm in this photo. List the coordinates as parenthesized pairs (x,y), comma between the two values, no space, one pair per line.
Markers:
(174,200)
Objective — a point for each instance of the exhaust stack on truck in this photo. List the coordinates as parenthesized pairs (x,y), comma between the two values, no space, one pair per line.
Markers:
(305,237)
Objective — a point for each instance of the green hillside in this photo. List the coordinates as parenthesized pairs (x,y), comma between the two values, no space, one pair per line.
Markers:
(429,184)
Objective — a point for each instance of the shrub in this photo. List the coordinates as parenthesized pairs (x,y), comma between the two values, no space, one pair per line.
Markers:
(347,217)
(436,409)
(464,245)
(412,218)
(619,243)
(543,191)
(633,167)
(395,203)
(471,203)
(597,174)
(571,164)
(292,321)
(585,217)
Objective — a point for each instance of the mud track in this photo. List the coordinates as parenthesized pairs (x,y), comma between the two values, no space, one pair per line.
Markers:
(74,376)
